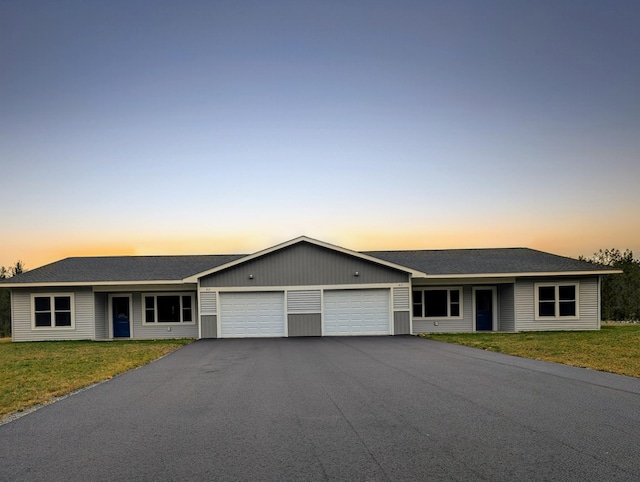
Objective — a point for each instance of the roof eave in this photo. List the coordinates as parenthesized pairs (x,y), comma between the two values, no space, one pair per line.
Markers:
(91,283)
(528,274)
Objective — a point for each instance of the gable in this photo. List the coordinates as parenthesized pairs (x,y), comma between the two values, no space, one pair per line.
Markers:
(304,264)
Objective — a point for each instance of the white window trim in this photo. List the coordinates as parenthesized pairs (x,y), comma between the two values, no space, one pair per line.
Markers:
(155,311)
(536,292)
(439,288)
(52,297)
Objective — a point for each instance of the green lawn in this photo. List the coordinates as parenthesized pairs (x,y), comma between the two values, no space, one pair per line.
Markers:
(34,373)
(615,348)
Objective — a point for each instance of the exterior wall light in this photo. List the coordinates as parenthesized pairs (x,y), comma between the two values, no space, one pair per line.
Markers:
(356,274)
(250,276)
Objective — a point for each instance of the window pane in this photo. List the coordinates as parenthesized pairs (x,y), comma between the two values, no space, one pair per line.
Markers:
(43,319)
(454,295)
(63,318)
(417,303)
(149,309)
(455,309)
(567,308)
(547,293)
(567,293)
(186,308)
(62,303)
(42,303)
(546,308)
(435,302)
(168,309)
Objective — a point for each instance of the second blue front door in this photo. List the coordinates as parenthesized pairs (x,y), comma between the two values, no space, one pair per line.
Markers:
(120,310)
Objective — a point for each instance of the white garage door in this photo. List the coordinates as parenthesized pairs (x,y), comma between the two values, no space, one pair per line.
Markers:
(244,315)
(356,312)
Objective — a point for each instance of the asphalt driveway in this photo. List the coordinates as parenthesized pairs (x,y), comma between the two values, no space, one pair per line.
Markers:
(378,408)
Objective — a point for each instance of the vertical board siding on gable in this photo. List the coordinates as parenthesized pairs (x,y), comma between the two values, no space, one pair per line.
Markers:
(463,325)
(304,301)
(587,301)
(506,315)
(304,264)
(83,310)
(154,331)
(101,316)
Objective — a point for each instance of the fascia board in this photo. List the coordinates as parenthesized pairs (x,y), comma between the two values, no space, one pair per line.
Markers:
(523,274)
(195,277)
(90,283)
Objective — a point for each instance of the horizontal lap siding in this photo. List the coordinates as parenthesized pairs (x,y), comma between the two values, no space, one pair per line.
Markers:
(588,306)
(304,301)
(506,315)
(304,264)
(101,315)
(463,325)
(160,330)
(84,316)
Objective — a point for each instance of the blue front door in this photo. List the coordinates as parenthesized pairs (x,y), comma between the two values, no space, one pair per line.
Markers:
(120,310)
(484,310)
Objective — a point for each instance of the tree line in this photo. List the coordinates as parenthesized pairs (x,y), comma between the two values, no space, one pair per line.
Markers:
(620,294)
(620,299)
(5,298)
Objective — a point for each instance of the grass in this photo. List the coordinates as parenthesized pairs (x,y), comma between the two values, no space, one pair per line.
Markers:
(615,348)
(36,372)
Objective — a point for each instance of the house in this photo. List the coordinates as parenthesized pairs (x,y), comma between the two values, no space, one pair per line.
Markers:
(305,287)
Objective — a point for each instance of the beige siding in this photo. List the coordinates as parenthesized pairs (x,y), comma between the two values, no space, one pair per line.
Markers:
(506,313)
(309,324)
(465,324)
(83,310)
(142,331)
(589,318)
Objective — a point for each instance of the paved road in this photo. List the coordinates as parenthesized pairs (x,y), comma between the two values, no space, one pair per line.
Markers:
(379,408)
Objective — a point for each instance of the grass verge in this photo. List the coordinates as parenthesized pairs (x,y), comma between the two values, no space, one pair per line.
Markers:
(615,348)
(36,372)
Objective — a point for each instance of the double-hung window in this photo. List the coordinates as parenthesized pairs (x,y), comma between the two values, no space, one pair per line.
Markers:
(168,308)
(556,301)
(437,303)
(52,310)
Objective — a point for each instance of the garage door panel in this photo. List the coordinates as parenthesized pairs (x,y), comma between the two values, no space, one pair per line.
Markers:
(252,314)
(356,312)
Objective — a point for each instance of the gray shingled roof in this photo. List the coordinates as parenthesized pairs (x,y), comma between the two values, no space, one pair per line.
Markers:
(171,268)
(123,268)
(484,261)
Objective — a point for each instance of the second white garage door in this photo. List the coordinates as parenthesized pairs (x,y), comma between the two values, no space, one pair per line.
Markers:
(356,312)
(258,314)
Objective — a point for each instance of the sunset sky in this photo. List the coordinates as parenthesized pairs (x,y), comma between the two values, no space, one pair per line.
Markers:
(184,127)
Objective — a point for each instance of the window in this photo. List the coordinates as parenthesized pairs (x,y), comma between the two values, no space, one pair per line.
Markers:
(168,308)
(437,303)
(53,310)
(556,301)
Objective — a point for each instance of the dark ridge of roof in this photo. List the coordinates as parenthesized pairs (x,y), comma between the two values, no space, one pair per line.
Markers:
(123,268)
(484,261)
